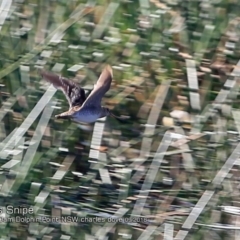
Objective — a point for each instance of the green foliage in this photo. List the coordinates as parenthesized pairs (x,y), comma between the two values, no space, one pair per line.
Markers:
(148,44)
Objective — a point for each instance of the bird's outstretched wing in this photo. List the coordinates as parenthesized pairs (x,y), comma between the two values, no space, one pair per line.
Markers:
(100,88)
(73,92)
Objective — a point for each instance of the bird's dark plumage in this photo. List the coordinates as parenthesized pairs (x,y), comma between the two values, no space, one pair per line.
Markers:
(81,108)
(73,92)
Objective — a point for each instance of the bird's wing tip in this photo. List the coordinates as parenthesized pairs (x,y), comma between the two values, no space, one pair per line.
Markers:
(109,69)
(42,71)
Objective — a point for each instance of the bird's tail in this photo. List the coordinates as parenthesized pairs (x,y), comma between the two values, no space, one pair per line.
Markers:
(119,118)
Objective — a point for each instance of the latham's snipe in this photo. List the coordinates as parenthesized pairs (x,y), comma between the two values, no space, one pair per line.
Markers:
(82,109)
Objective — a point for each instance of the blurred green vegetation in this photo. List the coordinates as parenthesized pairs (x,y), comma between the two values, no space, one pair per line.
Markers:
(53,166)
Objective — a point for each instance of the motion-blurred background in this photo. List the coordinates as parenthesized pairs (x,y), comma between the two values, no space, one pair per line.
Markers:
(175,162)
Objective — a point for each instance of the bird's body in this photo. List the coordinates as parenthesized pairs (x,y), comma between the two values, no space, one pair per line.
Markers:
(82,109)
(89,115)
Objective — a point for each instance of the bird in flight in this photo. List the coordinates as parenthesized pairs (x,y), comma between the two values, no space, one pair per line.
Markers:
(82,109)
